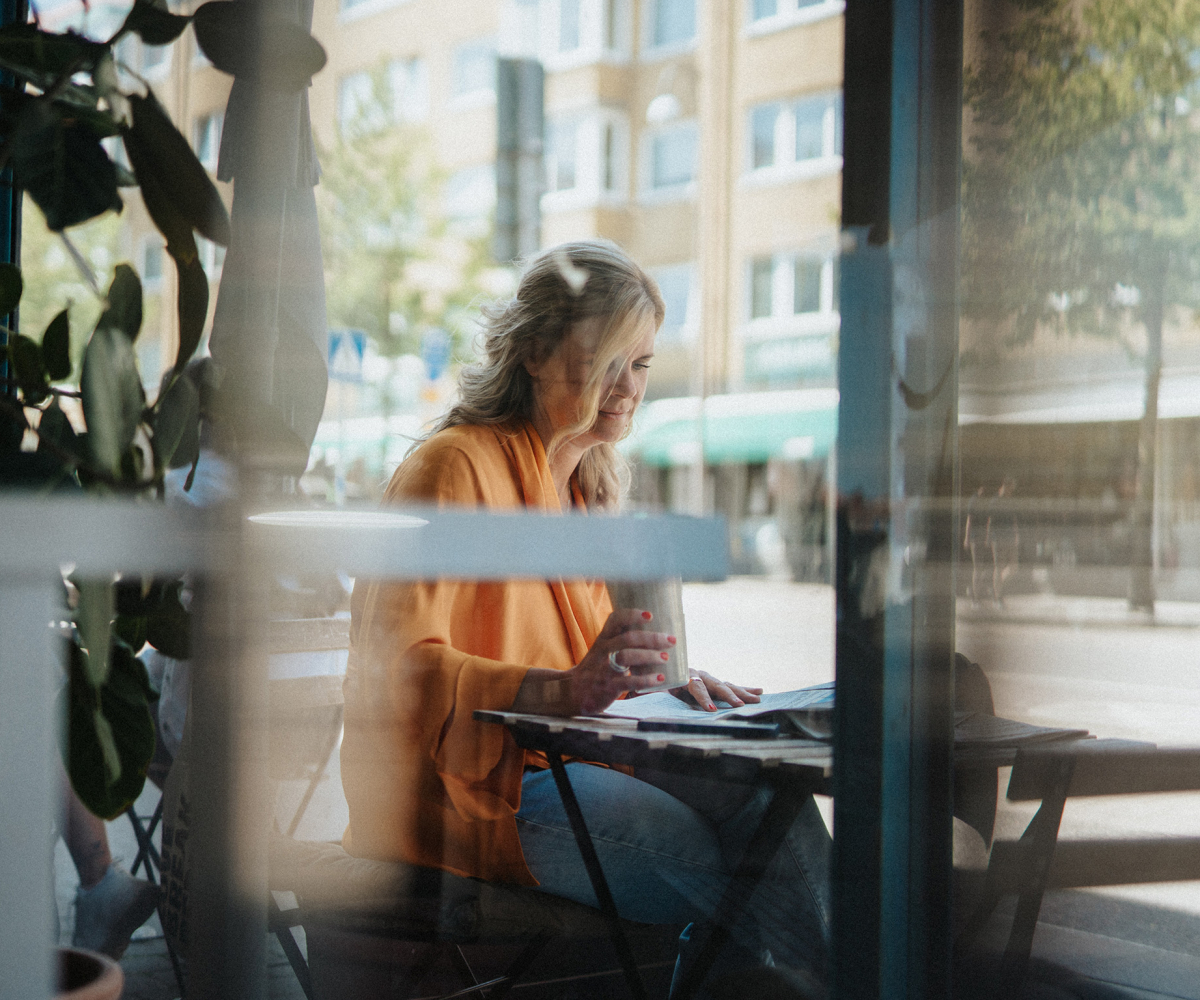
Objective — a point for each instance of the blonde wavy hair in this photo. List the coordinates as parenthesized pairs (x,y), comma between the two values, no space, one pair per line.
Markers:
(559,287)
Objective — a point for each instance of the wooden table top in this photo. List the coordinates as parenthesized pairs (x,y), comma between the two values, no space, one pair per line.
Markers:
(618,741)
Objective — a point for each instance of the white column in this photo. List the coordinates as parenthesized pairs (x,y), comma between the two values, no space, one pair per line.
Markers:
(28,786)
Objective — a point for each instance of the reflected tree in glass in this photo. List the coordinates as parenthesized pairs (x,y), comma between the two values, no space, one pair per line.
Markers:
(1081,188)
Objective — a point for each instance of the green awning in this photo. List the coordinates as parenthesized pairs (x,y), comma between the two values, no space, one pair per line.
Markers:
(741,427)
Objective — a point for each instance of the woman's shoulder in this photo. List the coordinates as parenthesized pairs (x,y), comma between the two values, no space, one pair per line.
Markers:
(462,464)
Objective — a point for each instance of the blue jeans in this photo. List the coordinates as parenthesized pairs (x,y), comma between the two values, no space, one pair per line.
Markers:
(668,845)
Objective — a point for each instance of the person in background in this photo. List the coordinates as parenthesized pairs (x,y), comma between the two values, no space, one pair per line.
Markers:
(110,904)
(564,369)
(975,538)
(1004,537)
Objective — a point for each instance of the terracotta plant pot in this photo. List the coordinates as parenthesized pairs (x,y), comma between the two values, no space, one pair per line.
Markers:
(87,975)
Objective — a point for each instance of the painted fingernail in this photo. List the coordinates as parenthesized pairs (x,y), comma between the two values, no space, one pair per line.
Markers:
(672,640)
(663,655)
(647,615)
(661,678)
(711,708)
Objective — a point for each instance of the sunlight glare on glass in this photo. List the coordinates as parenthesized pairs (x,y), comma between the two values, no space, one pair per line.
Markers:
(338,519)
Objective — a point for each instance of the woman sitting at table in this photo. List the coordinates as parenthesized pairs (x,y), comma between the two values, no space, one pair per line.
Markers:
(565,368)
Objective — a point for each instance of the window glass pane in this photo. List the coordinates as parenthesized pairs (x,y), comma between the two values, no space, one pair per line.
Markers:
(674,21)
(807,296)
(561,154)
(810,128)
(763,8)
(475,67)
(612,14)
(406,79)
(207,139)
(762,135)
(673,157)
(471,192)
(761,278)
(675,285)
(358,105)
(568,25)
(152,263)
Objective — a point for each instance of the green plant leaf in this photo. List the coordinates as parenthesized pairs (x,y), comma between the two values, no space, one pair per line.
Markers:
(153,24)
(43,56)
(56,348)
(123,308)
(139,597)
(28,369)
(192,305)
(131,630)
(278,53)
(118,721)
(162,158)
(112,396)
(11,287)
(58,159)
(176,414)
(169,628)
(94,618)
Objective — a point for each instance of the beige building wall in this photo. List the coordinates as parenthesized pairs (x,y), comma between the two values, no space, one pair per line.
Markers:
(620,93)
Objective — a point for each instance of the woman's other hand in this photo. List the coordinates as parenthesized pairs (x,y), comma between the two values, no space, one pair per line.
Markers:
(624,658)
(705,690)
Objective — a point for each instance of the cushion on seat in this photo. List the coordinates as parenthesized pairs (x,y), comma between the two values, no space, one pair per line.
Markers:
(398,900)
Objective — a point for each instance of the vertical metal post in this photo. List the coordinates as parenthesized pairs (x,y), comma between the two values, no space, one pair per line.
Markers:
(897,467)
(28,786)
(11,12)
(520,123)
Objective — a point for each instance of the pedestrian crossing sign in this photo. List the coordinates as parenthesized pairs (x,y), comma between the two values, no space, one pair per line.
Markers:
(346,350)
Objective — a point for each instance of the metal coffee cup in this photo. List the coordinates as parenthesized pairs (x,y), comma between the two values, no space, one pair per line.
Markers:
(664,600)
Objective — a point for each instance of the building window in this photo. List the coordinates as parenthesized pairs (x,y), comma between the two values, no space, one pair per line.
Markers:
(576,32)
(206,137)
(772,15)
(672,23)
(806,133)
(212,257)
(155,59)
(763,122)
(677,285)
(792,284)
(568,25)
(761,279)
(561,154)
(470,193)
(152,265)
(673,157)
(474,72)
(359,108)
(409,89)
(586,156)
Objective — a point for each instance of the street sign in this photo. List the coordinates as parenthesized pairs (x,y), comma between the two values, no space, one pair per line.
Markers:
(346,350)
(435,352)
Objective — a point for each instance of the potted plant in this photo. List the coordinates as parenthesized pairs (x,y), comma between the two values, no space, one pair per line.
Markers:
(69,98)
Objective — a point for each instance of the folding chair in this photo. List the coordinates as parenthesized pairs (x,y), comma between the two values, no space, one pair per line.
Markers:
(1039,860)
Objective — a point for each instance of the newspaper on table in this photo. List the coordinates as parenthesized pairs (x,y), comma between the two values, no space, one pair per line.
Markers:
(809,712)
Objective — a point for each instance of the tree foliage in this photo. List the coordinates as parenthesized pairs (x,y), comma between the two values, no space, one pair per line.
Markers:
(1082,190)
(394,267)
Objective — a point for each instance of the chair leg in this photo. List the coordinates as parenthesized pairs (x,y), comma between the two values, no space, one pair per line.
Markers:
(287,941)
(519,964)
(147,854)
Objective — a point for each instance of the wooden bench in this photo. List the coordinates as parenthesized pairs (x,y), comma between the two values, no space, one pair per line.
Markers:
(1038,861)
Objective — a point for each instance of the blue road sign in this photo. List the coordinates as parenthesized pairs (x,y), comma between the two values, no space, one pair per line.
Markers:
(346,350)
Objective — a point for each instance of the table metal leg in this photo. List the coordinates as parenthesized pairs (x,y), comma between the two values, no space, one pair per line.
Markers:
(599,883)
(784,807)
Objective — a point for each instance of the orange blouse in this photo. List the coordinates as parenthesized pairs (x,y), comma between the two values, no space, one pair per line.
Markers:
(426,783)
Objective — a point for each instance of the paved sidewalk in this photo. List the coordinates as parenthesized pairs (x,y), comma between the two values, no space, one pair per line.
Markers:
(1061,609)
